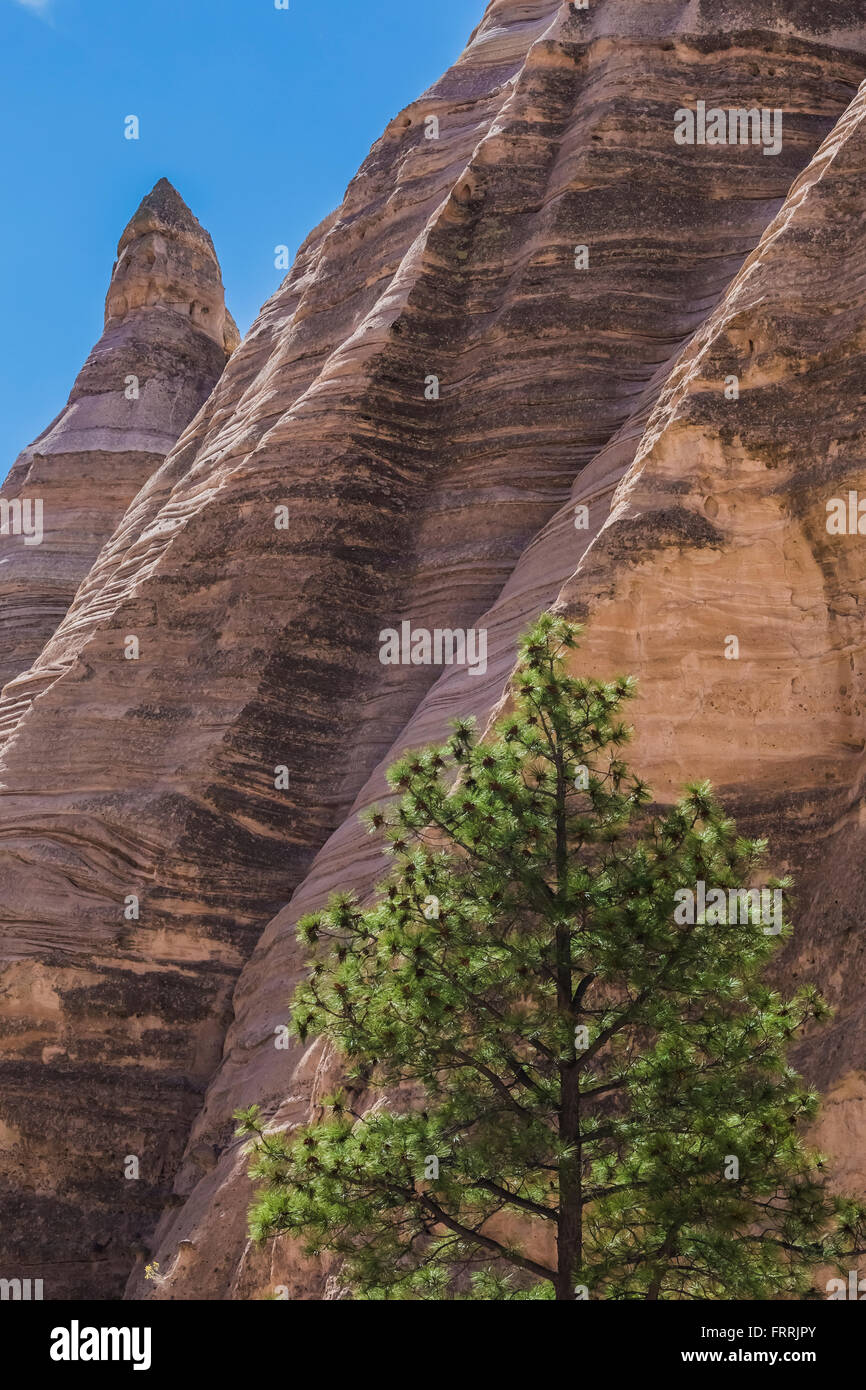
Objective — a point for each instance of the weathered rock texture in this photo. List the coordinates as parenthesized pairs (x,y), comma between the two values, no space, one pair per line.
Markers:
(166,340)
(451,258)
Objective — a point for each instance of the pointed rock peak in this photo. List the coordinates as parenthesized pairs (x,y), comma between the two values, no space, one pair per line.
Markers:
(165,200)
(164,209)
(166,260)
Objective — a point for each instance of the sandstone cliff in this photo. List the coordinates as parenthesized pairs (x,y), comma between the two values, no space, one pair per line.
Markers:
(529,305)
(166,340)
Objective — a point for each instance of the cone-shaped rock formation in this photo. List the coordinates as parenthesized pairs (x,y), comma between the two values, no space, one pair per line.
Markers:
(166,340)
(530,301)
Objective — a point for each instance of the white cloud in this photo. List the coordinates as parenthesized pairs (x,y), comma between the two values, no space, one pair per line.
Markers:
(40,6)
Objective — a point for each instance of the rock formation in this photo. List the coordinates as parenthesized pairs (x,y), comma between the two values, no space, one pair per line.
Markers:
(166,340)
(531,301)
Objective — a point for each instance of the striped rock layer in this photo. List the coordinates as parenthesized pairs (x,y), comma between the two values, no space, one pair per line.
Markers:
(167,337)
(531,305)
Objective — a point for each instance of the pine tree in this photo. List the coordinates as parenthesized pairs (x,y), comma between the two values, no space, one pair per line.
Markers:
(557,1086)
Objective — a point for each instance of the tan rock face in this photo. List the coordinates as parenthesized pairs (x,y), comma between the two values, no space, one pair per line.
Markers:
(405,435)
(167,336)
(166,260)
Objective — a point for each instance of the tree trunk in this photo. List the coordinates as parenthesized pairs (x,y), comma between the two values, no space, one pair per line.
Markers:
(569,1240)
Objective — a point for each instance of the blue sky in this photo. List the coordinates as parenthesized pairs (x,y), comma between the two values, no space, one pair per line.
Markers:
(258,116)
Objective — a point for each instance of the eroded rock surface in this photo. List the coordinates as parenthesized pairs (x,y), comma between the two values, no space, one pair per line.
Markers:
(672,586)
(575,283)
(166,340)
